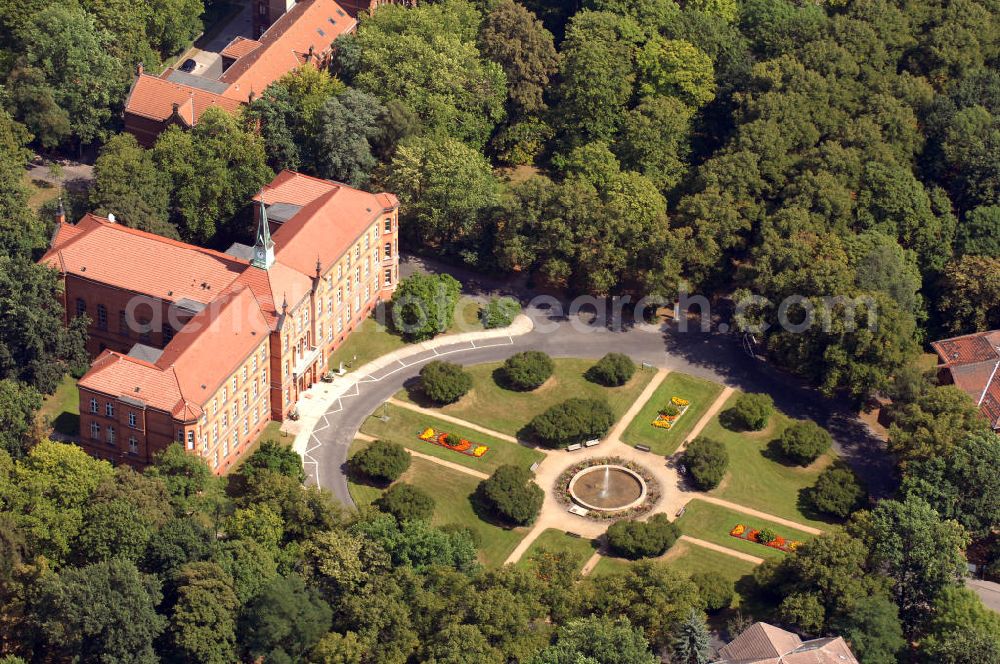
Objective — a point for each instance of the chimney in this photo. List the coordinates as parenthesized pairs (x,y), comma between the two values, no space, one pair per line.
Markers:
(60,212)
(309,57)
(250,97)
(177,108)
(139,69)
(111,217)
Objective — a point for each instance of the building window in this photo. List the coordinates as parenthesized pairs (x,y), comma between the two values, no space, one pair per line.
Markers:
(215,407)
(246,399)
(340,296)
(122,324)
(388,224)
(225,419)
(93,406)
(367,267)
(368,293)
(225,395)
(111,435)
(168,333)
(329,281)
(102,317)
(215,461)
(288,394)
(285,342)
(357,275)
(109,409)
(329,306)
(236,412)
(255,364)
(133,445)
(190,440)
(245,373)
(235,384)
(357,303)
(340,275)
(388,277)
(81,306)
(95,430)
(387,250)
(367,245)
(340,324)
(246,426)
(215,434)
(255,389)
(131,419)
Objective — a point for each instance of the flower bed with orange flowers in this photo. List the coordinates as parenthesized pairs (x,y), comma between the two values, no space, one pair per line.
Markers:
(765,537)
(453,442)
(670,413)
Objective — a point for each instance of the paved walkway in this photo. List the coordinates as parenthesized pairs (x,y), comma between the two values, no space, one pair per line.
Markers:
(615,435)
(437,414)
(721,549)
(749,511)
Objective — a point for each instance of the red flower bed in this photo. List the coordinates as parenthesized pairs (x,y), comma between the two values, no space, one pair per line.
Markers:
(740,531)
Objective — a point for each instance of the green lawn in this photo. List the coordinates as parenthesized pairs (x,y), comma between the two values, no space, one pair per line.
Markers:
(712,523)
(452,492)
(62,409)
(701,393)
(404,426)
(370,340)
(557,541)
(609,565)
(509,411)
(757,478)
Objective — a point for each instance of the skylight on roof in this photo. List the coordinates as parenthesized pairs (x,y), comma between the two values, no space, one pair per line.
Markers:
(320,31)
(341,12)
(330,19)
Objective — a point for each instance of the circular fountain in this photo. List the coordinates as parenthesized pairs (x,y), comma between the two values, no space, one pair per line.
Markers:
(607,488)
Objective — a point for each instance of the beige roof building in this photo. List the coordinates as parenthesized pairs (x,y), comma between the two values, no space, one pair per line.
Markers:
(766,644)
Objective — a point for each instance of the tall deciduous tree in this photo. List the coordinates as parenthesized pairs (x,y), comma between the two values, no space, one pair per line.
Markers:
(129,184)
(203,619)
(512,37)
(36,347)
(444,187)
(677,68)
(285,621)
(346,127)
(598,639)
(102,612)
(922,553)
(19,404)
(68,47)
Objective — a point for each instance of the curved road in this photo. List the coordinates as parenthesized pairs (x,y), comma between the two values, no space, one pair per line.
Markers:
(713,355)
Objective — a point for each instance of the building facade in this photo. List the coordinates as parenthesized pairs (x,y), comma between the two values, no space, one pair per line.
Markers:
(204,347)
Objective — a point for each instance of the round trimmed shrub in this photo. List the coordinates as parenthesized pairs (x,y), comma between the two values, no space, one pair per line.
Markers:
(706,462)
(382,461)
(511,494)
(573,421)
(752,411)
(642,539)
(528,370)
(803,442)
(612,370)
(499,312)
(766,536)
(406,502)
(716,591)
(837,492)
(444,382)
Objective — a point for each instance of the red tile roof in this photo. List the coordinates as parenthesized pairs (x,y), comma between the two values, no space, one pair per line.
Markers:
(239,47)
(275,286)
(331,219)
(142,262)
(193,365)
(153,97)
(762,643)
(973,361)
(285,45)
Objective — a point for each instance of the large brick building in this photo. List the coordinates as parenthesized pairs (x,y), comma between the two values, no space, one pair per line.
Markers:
(292,35)
(205,347)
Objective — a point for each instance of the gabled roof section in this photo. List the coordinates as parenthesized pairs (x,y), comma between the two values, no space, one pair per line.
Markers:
(214,342)
(154,98)
(119,375)
(285,45)
(274,286)
(142,262)
(332,217)
(973,360)
(239,47)
(762,643)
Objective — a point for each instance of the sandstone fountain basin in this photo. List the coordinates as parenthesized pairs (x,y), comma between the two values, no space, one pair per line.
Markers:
(607,488)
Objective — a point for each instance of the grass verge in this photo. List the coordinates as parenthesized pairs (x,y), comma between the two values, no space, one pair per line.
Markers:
(758,477)
(712,523)
(495,407)
(62,408)
(557,541)
(452,492)
(404,426)
(701,393)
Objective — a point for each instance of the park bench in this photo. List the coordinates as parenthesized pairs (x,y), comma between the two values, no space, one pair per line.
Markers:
(592,442)
(642,448)
(574,447)
(579,511)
